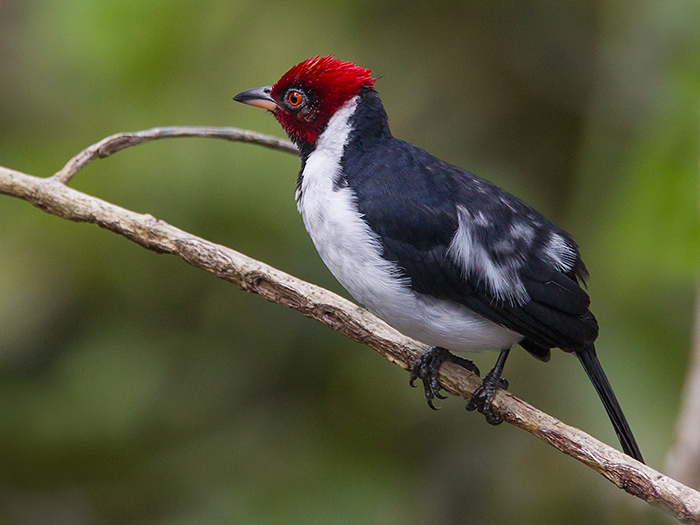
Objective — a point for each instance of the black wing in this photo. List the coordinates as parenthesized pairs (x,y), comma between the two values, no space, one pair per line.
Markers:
(519,269)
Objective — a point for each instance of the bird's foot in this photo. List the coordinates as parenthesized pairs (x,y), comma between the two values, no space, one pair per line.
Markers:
(483,396)
(427,368)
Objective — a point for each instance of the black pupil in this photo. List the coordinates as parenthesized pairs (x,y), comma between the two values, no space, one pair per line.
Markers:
(294,98)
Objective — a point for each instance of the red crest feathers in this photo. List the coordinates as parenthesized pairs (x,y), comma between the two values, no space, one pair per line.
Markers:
(327,74)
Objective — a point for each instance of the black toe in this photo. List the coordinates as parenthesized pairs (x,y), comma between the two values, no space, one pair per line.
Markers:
(427,368)
(483,396)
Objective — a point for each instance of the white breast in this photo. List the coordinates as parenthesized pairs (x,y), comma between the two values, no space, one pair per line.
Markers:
(352,252)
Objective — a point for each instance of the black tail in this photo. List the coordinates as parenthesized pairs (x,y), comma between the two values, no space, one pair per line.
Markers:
(590,363)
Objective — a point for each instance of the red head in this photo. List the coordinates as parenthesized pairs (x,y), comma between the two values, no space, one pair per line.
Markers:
(307,96)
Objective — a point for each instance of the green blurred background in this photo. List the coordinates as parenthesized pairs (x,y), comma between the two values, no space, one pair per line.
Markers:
(134,388)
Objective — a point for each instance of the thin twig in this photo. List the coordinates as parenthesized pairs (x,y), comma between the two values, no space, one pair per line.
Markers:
(53,196)
(120,141)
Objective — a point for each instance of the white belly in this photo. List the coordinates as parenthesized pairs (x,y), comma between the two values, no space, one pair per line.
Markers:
(352,253)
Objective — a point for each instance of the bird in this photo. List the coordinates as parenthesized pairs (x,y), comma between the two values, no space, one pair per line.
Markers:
(442,255)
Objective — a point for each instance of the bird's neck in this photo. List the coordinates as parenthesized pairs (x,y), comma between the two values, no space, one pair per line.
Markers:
(366,126)
(369,123)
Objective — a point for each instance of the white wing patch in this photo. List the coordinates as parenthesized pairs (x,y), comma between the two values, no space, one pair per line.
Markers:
(502,280)
(561,254)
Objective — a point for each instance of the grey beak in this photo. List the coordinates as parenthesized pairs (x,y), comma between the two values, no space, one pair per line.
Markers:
(259,97)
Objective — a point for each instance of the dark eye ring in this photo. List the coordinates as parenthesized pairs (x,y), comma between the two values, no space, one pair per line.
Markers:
(295,98)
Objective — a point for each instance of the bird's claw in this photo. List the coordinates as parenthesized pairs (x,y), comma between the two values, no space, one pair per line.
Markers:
(427,368)
(483,397)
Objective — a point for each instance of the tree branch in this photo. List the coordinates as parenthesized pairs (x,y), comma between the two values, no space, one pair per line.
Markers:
(54,196)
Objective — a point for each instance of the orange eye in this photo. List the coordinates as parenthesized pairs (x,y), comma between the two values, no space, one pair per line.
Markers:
(295,98)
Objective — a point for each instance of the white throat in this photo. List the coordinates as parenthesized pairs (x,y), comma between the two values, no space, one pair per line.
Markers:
(323,165)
